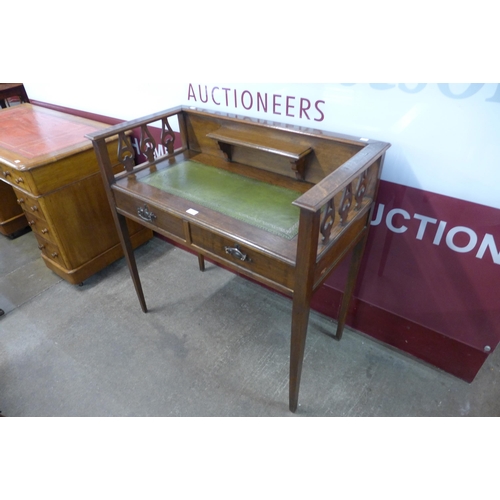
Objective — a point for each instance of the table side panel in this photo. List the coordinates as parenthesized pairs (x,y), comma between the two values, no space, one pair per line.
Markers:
(338,248)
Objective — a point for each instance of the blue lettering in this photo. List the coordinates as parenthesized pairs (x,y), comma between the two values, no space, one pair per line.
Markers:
(418,88)
(472,89)
(496,96)
(382,86)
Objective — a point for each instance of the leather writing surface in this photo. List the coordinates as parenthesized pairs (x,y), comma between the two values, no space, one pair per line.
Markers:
(255,202)
(31,133)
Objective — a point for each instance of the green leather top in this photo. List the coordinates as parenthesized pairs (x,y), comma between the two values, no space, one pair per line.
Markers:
(255,202)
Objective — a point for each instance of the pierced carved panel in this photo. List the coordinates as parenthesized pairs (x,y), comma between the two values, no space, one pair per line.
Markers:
(126,154)
(327,221)
(147,144)
(345,204)
(167,136)
(361,189)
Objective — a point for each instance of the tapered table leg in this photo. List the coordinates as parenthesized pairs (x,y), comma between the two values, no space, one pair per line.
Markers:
(357,255)
(130,259)
(307,247)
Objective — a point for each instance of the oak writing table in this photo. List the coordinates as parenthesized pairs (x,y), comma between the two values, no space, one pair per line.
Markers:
(277,203)
(46,158)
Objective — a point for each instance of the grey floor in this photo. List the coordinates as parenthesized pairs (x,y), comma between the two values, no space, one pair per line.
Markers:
(212,344)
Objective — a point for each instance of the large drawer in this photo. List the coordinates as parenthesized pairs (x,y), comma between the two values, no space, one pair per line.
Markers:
(235,254)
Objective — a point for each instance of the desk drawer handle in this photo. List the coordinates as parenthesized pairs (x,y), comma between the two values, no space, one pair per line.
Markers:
(6,173)
(145,214)
(236,252)
(19,180)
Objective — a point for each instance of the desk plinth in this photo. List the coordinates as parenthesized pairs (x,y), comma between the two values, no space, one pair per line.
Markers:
(45,157)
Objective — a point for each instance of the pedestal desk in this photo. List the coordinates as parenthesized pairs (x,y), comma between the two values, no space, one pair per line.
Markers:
(46,158)
(278,203)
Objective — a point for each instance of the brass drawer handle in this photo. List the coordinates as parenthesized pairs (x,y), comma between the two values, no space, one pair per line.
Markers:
(31,222)
(145,214)
(237,253)
(19,180)
(45,230)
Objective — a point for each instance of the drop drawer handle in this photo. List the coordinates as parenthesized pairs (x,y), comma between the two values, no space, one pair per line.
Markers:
(145,214)
(237,253)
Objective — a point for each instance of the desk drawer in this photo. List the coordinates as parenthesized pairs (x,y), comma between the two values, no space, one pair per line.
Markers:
(40,227)
(50,250)
(30,204)
(160,220)
(239,255)
(15,178)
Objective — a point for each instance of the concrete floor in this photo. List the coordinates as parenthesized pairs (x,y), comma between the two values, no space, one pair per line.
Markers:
(212,344)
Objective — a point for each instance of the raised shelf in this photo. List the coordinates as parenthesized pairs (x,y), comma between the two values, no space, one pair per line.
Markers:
(297,154)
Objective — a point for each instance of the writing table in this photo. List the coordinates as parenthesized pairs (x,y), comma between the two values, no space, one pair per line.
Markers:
(277,203)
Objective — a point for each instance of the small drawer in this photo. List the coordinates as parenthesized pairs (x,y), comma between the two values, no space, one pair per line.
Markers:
(40,226)
(49,249)
(15,177)
(156,218)
(29,204)
(239,255)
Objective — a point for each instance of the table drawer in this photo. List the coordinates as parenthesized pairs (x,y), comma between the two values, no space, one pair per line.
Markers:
(30,204)
(15,177)
(154,217)
(40,227)
(50,250)
(237,254)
